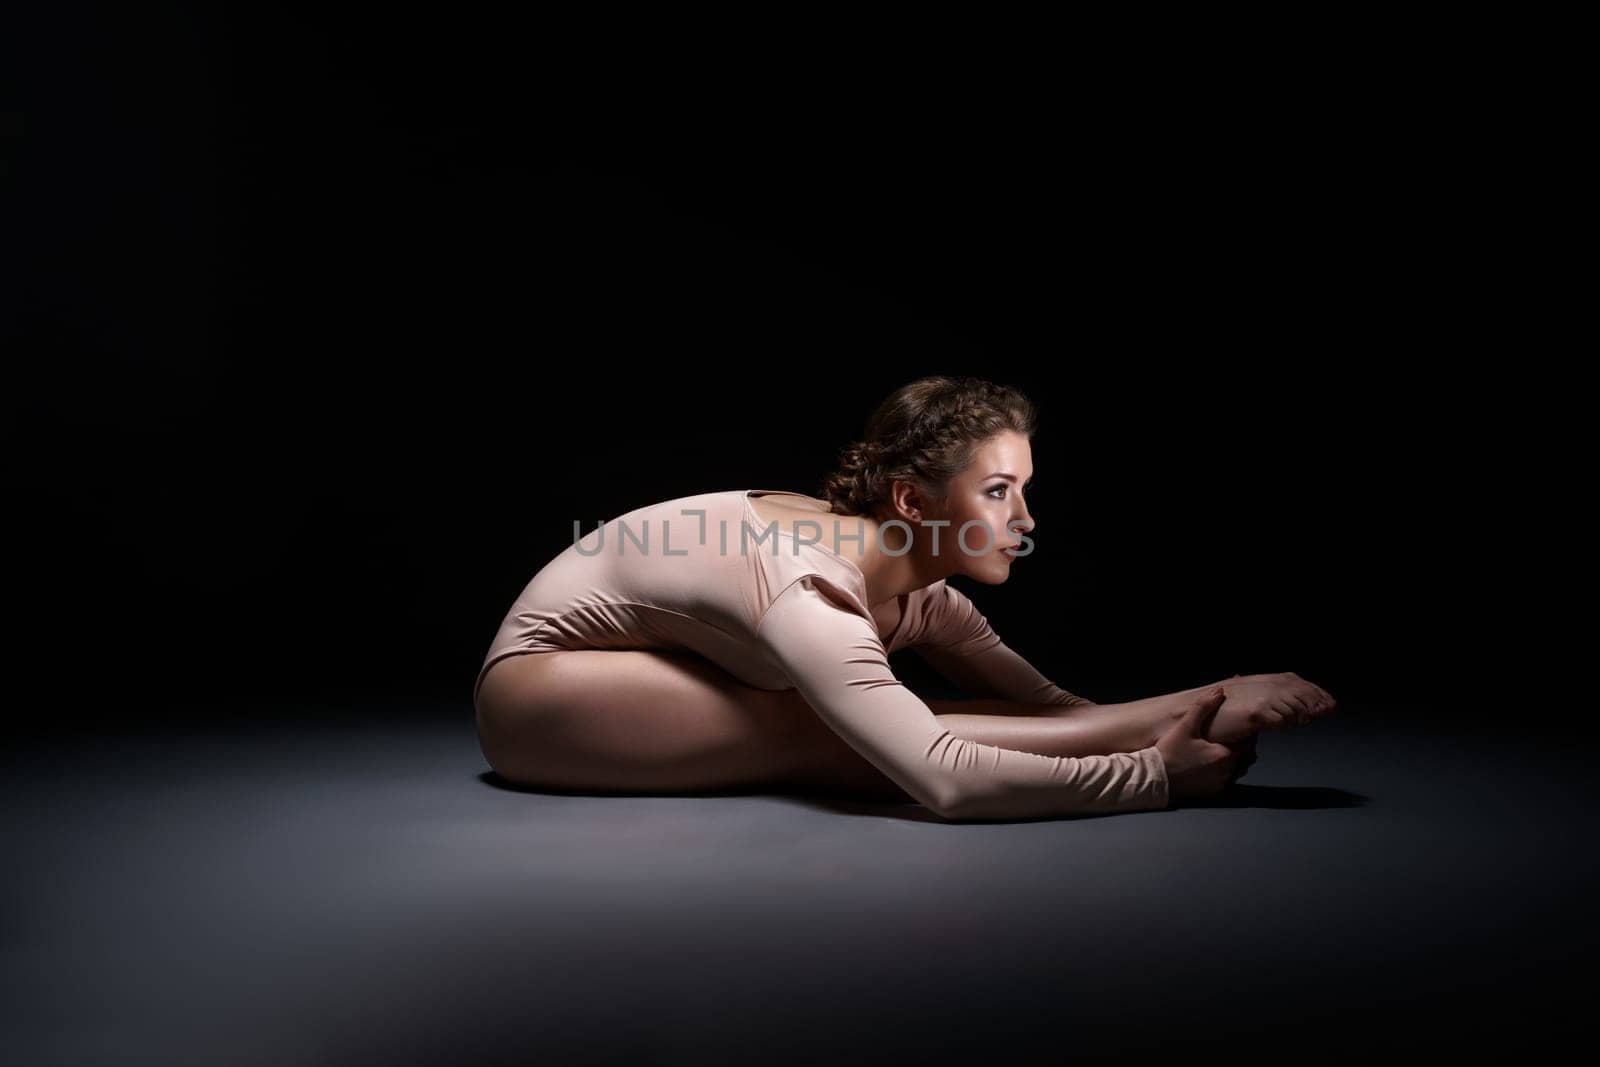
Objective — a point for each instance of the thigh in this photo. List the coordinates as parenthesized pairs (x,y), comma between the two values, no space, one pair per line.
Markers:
(634,720)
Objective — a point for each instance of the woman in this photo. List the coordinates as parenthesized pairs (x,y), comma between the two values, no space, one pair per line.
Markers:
(739,639)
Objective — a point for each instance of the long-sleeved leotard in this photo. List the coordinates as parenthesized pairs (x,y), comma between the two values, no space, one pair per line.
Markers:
(779,610)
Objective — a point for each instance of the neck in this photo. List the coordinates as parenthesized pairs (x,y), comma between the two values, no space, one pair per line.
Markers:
(889,574)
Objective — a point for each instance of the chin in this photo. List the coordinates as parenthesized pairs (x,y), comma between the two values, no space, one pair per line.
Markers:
(990,570)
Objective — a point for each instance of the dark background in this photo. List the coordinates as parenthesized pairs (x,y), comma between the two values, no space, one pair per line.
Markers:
(329,327)
(321,328)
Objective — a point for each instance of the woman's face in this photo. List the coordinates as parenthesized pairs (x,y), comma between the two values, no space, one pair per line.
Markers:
(987,498)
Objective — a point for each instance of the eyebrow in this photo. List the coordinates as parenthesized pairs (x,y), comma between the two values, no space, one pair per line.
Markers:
(1003,474)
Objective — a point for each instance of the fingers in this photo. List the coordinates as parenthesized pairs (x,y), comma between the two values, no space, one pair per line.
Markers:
(1243,751)
(1203,710)
(1226,764)
(1221,756)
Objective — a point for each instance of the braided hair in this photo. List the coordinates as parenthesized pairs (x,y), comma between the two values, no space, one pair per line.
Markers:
(925,432)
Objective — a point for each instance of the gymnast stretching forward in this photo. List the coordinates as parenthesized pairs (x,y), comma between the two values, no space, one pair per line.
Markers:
(740,639)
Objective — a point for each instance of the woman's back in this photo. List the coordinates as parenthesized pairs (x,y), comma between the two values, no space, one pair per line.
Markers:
(696,572)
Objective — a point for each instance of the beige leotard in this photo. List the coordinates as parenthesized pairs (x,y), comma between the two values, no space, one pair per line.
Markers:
(781,610)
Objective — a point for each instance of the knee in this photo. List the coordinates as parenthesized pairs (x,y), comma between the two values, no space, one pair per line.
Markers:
(511,758)
(508,737)
(486,743)
(490,743)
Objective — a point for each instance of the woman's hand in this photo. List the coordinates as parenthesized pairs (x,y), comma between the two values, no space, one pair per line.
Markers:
(1197,767)
(1244,754)
(1257,702)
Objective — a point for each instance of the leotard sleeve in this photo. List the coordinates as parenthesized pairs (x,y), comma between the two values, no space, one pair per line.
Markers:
(834,657)
(957,641)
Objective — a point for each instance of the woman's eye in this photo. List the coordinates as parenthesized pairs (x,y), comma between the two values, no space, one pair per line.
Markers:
(1003,487)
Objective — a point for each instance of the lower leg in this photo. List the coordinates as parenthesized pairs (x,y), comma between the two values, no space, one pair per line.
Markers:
(1072,730)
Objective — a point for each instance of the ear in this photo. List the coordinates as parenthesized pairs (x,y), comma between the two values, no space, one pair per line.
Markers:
(907,501)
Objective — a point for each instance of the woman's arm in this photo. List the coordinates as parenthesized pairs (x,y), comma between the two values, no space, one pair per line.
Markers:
(836,660)
(1001,673)
(956,640)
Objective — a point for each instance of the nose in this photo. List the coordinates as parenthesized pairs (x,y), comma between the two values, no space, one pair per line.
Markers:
(1021,521)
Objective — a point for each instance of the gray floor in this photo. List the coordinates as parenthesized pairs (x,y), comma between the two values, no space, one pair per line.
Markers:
(367,892)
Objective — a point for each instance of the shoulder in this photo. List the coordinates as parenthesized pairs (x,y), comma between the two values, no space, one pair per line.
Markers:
(815,602)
